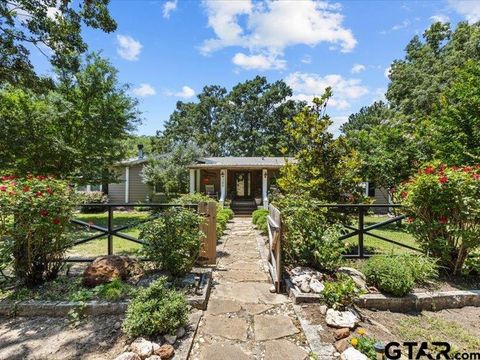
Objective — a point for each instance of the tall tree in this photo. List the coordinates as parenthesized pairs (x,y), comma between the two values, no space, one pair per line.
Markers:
(51,26)
(76,130)
(247,121)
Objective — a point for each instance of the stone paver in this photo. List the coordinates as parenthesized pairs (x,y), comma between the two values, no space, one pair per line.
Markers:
(243,319)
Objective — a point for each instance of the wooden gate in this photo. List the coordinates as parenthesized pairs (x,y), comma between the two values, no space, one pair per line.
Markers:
(208,254)
(274,222)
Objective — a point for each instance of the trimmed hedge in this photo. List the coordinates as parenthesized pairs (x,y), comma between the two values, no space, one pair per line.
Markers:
(223,215)
(259,218)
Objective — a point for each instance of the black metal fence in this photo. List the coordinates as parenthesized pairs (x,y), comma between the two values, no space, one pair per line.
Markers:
(110,230)
(361,231)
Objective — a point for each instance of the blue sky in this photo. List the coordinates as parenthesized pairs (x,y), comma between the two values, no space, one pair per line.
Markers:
(168,50)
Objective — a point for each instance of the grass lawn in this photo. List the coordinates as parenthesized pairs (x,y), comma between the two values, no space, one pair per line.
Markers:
(391,231)
(99,247)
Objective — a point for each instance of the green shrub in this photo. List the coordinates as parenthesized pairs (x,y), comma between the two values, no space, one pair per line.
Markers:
(93,197)
(423,268)
(389,275)
(194,198)
(340,293)
(229,212)
(155,310)
(309,238)
(223,215)
(173,241)
(442,204)
(114,290)
(472,264)
(258,213)
(262,223)
(34,216)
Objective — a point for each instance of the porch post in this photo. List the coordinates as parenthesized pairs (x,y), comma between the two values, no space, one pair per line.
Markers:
(197,187)
(127,184)
(264,188)
(192,181)
(223,186)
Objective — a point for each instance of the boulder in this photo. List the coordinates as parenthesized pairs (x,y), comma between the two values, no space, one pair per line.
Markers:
(341,319)
(128,356)
(316,286)
(305,287)
(341,333)
(323,309)
(106,268)
(166,351)
(341,345)
(353,354)
(299,279)
(180,332)
(358,277)
(142,347)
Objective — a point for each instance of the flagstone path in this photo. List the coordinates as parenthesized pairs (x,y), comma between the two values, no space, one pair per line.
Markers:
(244,320)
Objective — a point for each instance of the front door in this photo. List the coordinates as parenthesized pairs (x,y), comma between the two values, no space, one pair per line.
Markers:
(243,184)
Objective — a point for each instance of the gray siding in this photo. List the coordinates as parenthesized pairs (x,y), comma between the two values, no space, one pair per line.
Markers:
(138,191)
(381,197)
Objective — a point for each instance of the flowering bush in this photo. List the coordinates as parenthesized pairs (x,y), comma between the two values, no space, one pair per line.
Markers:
(443,208)
(34,213)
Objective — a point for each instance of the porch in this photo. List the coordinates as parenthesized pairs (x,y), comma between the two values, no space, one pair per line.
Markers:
(240,182)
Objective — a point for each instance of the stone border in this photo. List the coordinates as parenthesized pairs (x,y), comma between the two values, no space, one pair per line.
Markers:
(62,308)
(421,301)
(298,297)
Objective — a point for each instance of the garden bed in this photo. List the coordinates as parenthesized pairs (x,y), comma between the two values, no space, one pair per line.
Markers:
(60,297)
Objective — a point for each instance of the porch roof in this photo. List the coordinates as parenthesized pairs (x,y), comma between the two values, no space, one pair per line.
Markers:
(233,162)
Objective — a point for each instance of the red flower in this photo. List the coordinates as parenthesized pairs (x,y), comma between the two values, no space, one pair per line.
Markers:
(429,170)
(442,168)
(392,189)
(41,177)
(476,176)
(3,188)
(26,188)
(12,193)
(56,221)
(50,191)
(38,194)
(13,183)
(403,194)
(467,168)
(442,179)
(443,219)
(410,220)
(43,212)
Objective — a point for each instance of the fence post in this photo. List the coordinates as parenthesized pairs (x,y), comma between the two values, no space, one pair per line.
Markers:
(361,227)
(110,229)
(212,233)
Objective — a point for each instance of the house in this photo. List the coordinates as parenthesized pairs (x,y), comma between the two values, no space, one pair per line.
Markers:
(241,182)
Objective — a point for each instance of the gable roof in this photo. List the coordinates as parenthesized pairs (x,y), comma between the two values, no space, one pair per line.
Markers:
(263,162)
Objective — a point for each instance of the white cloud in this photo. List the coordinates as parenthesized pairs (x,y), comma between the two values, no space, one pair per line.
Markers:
(338,121)
(144,90)
(440,18)
(187,92)
(128,48)
(259,62)
(405,23)
(168,8)
(357,68)
(307,59)
(268,27)
(468,8)
(387,72)
(306,86)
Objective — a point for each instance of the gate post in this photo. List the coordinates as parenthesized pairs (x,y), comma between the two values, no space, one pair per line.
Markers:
(209,229)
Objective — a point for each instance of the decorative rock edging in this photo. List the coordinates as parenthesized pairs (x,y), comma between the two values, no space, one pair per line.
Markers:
(421,301)
(299,297)
(61,308)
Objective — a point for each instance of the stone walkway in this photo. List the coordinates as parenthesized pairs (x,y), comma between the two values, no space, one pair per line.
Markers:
(244,320)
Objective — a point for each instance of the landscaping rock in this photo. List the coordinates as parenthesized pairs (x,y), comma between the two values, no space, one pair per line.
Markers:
(341,319)
(323,309)
(128,356)
(166,351)
(341,345)
(142,347)
(300,279)
(106,268)
(170,339)
(353,354)
(180,332)
(305,287)
(316,286)
(341,333)
(154,357)
(358,277)
(272,289)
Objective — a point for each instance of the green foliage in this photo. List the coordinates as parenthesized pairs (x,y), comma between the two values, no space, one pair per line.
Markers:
(223,215)
(34,216)
(309,238)
(155,310)
(397,275)
(262,223)
(194,198)
(443,208)
(472,264)
(93,197)
(325,168)
(340,293)
(257,214)
(75,131)
(26,22)
(366,345)
(173,241)
(247,121)
(170,170)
